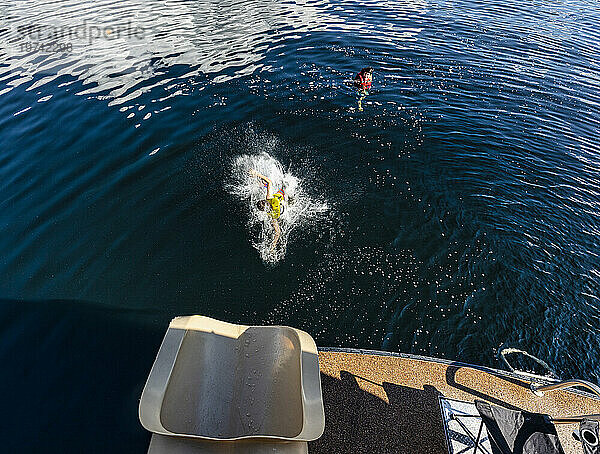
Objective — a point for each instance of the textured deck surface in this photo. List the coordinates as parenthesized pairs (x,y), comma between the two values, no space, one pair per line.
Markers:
(389,404)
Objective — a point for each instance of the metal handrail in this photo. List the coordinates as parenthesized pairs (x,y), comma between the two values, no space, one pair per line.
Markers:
(575,419)
(539,390)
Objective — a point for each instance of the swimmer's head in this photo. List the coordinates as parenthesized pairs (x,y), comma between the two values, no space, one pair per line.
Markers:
(261,205)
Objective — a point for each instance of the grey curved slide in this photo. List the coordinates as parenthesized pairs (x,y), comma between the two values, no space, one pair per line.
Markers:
(217,387)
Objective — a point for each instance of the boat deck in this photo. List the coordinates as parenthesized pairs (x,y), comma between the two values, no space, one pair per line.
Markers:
(376,403)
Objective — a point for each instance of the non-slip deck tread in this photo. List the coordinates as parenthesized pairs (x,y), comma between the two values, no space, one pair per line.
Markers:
(389,404)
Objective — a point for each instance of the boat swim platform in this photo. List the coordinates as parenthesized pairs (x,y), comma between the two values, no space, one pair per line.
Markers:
(378,402)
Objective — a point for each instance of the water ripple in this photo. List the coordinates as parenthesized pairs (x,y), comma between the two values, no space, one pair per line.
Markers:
(468,188)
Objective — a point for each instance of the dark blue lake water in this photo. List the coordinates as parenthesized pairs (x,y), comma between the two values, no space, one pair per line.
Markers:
(464,200)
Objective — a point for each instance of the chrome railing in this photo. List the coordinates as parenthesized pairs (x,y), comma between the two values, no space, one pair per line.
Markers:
(575,419)
(539,389)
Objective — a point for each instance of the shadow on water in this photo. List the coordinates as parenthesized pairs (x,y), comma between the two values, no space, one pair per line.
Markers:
(73,372)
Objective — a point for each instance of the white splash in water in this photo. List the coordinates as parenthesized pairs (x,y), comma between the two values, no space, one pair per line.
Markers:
(300,208)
